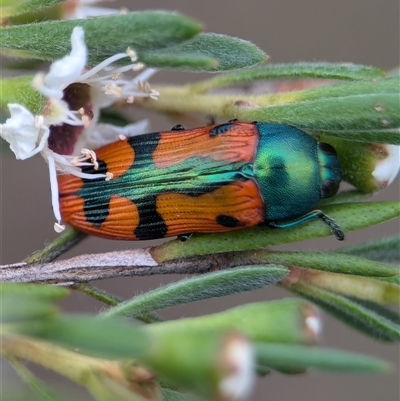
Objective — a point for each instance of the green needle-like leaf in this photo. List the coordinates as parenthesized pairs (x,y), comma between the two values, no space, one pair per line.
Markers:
(350,196)
(61,244)
(295,70)
(390,314)
(111,338)
(22,308)
(362,105)
(212,285)
(350,108)
(20,90)
(97,293)
(351,312)
(142,31)
(297,357)
(331,262)
(16,7)
(38,291)
(229,53)
(364,288)
(22,302)
(189,61)
(385,249)
(392,280)
(283,321)
(350,216)
(373,135)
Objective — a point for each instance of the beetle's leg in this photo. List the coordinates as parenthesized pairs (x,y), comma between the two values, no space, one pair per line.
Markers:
(210,120)
(184,237)
(315,214)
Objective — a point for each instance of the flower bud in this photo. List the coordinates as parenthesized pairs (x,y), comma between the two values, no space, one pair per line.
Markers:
(218,365)
(370,167)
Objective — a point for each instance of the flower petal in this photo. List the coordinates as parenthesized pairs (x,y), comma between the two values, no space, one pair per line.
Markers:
(67,70)
(103,134)
(387,168)
(22,132)
(238,356)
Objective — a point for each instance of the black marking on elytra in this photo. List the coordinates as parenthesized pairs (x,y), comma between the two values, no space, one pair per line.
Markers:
(219,129)
(227,221)
(95,212)
(144,148)
(102,169)
(178,127)
(151,224)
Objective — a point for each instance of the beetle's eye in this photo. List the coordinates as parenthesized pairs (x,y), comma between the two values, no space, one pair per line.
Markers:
(328,149)
(329,188)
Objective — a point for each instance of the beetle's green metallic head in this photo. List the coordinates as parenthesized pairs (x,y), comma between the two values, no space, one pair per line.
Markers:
(294,171)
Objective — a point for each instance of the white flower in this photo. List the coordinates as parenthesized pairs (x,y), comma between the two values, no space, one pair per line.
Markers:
(387,167)
(106,83)
(238,359)
(68,69)
(23,132)
(69,123)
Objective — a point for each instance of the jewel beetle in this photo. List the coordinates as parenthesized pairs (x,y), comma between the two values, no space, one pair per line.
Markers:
(204,180)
